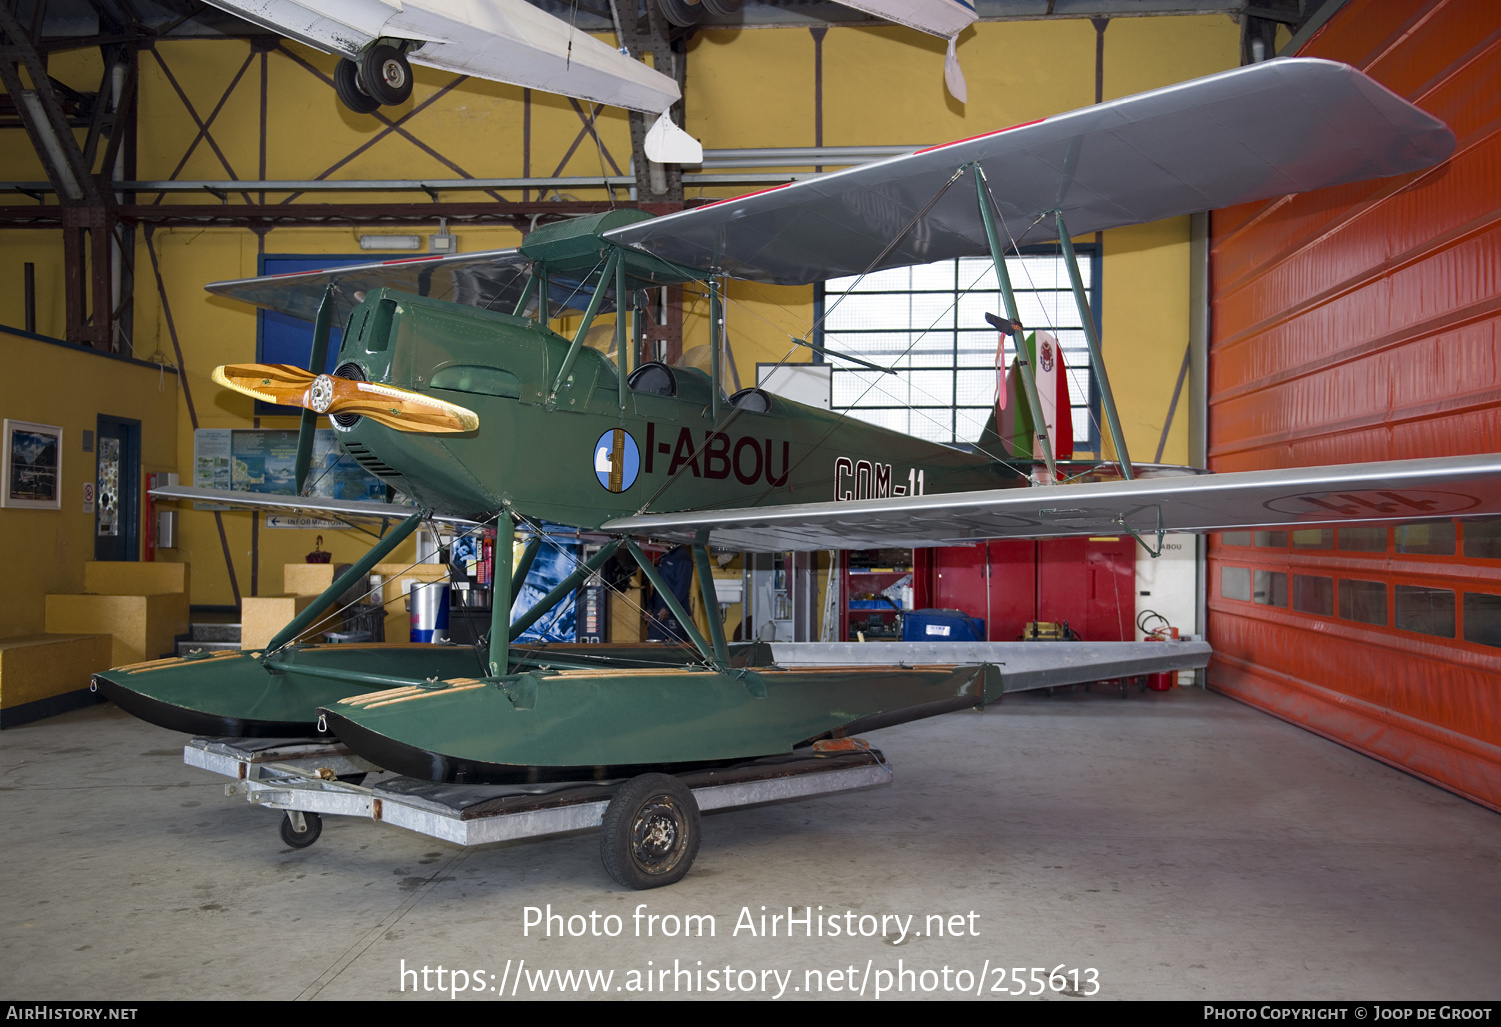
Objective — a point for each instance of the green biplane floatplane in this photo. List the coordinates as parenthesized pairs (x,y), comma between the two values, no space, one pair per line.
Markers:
(485,420)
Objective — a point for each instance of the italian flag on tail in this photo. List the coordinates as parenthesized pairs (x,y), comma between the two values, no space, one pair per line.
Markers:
(1013,420)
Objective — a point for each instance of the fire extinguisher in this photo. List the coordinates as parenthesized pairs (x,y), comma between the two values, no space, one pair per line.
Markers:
(1156,629)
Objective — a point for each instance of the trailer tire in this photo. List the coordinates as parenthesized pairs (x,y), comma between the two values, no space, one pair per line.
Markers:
(650,832)
(301,839)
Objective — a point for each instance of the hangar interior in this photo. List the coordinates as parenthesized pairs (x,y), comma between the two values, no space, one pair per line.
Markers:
(1352,324)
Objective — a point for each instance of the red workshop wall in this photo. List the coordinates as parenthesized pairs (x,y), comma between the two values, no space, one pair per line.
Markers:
(1360,323)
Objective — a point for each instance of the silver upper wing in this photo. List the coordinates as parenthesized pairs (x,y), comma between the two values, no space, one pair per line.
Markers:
(1390,492)
(1269,129)
(492,279)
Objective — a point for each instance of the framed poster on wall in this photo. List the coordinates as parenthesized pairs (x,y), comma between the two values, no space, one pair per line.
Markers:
(31,466)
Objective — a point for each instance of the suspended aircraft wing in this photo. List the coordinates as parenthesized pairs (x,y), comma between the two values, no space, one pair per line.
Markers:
(1268,129)
(1388,492)
(348,510)
(942,18)
(502,40)
(946,18)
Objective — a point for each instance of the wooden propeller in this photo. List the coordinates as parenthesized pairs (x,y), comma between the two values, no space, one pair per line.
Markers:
(401,409)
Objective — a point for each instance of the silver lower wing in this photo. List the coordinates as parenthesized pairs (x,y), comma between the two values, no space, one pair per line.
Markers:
(353,511)
(1390,492)
(1023,665)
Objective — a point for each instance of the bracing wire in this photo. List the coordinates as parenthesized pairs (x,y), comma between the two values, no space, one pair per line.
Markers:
(537,528)
(329,618)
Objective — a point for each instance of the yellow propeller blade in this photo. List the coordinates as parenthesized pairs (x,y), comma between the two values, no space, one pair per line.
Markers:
(282,384)
(401,409)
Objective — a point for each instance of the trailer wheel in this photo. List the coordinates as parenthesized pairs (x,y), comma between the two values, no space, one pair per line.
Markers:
(650,833)
(312,827)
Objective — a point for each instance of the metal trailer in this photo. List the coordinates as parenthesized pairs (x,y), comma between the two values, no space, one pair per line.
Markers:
(649,823)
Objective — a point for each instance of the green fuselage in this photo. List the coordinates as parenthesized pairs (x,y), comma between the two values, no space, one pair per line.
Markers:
(548,457)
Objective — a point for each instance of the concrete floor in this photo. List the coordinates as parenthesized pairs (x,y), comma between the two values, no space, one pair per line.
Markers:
(1178,845)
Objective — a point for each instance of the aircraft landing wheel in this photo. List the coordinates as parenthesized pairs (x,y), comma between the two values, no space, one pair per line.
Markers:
(351,93)
(722,8)
(651,832)
(386,75)
(312,827)
(682,13)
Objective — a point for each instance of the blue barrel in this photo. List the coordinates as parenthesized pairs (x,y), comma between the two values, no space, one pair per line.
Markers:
(429,606)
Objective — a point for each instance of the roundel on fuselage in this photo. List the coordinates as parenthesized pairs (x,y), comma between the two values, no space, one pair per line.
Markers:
(617,460)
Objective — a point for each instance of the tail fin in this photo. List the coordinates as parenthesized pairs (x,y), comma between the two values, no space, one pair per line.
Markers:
(1010,436)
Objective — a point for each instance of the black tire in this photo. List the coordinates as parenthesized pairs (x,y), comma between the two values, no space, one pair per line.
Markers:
(681,13)
(650,833)
(722,8)
(386,75)
(351,94)
(301,839)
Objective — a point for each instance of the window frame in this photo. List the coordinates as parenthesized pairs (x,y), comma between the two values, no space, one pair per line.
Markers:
(1090,253)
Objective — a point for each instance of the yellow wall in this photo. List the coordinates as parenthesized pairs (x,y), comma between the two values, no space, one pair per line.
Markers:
(881,85)
(44,551)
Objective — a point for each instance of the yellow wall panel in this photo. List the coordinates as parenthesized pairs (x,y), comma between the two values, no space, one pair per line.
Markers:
(1145,334)
(885,85)
(750,87)
(43,248)
(45,550)
(1149,53)
(168,129)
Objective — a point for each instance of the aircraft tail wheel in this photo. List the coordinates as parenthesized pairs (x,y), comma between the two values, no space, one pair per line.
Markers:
(300,838)
(682,13)
(386,75)
(650,833)
(351,93)
(722,8)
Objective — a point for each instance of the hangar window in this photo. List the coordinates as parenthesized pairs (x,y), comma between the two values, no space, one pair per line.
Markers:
(1313,594)
(928,325)
(1271,539)
(1235,538)
(1432,538)
(1483,540)
(1235,583)
(1362,540)
(1483,619)
(1313,538)
(1428,611)
(1362,601)
(1271,588)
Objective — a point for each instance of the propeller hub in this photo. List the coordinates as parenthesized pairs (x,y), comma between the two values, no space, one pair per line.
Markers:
(321,393)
